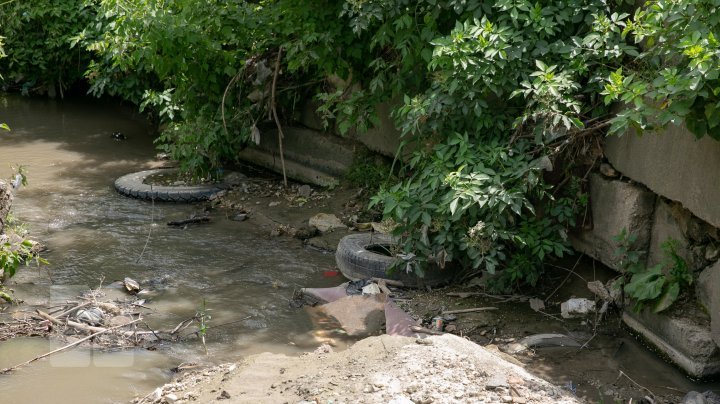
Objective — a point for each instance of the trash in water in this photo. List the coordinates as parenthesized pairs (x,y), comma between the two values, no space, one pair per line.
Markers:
(91,316)
(371,289)
(577,307)
(356,287)
(331,273)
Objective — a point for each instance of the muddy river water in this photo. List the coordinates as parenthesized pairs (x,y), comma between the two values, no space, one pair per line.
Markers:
(245,278)
(96,236)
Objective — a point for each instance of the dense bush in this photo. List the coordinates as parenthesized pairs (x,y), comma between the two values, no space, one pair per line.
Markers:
(493,95)
(37,42)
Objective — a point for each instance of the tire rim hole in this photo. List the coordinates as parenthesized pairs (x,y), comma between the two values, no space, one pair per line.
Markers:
(382,249)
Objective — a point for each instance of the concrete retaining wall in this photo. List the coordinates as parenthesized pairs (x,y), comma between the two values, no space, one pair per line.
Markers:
(675,165)
(310,156)
(669,189)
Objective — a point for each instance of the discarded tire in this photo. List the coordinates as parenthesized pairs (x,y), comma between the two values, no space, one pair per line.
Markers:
(134,186)
(367,255)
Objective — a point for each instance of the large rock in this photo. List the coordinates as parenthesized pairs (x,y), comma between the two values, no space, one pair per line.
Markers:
(708,292)
(672,164)
(615,205)
(326,222)
(684,337)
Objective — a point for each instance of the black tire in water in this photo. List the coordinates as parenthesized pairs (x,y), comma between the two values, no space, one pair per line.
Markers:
(367,255)
(134,186)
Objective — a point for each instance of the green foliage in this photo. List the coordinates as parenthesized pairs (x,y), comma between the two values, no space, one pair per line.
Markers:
(15,250)
(658,286)
(205,68)
(491,95)
(369,171)
(37,37)
(675,77)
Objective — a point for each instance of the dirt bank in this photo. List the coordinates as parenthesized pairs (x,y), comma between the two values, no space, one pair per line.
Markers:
(383,369)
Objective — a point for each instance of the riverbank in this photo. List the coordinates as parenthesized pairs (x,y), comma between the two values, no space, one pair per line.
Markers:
(381,369)
(606,363)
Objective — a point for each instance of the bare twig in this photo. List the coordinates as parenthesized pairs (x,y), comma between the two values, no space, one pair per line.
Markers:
(634,382)
(78,342)
(70,311)
(571,271)
(474,309)
(225,93)
(275,115)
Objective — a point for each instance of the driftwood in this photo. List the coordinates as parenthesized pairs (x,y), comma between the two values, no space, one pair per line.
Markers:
(388,282)
(78,342)
(192,220)
(475,309)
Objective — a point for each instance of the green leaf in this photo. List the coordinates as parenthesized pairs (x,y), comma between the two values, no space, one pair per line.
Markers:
(668,297)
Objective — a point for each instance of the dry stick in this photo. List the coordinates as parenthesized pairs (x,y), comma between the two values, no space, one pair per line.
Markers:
(634,382)
(222,105)
(469,310)
(10,369)
(90,328)
(70,311)
(275,115)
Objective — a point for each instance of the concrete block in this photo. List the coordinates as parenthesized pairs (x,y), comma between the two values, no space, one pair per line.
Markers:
(384,138)
(672,164)
(685,339)
(708,293)
(310,156)
(665,227)
(615,205)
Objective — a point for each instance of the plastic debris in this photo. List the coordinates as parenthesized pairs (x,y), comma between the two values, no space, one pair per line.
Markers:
(578,307)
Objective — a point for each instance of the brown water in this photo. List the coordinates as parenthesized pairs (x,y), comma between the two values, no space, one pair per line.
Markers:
(95,235)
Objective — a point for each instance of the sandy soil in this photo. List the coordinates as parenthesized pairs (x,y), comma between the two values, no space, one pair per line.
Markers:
(383,369)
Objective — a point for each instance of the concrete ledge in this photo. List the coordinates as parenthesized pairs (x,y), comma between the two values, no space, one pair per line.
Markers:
(673,164)
(708,292)
(687,344)
(310,156)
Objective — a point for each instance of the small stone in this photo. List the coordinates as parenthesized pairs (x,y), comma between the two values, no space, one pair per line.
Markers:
(326,222)
(608,171)
(240,217)
(519,400)
(224,395)
(171,398)
(712,253)
(507,399)
(495,382)
(304,191)
(369,389)
(537,304)
(273,204)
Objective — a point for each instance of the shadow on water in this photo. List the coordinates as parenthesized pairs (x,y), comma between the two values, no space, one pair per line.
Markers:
(95,235)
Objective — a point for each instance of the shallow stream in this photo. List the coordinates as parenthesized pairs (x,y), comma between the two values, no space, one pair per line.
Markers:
(95,236)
